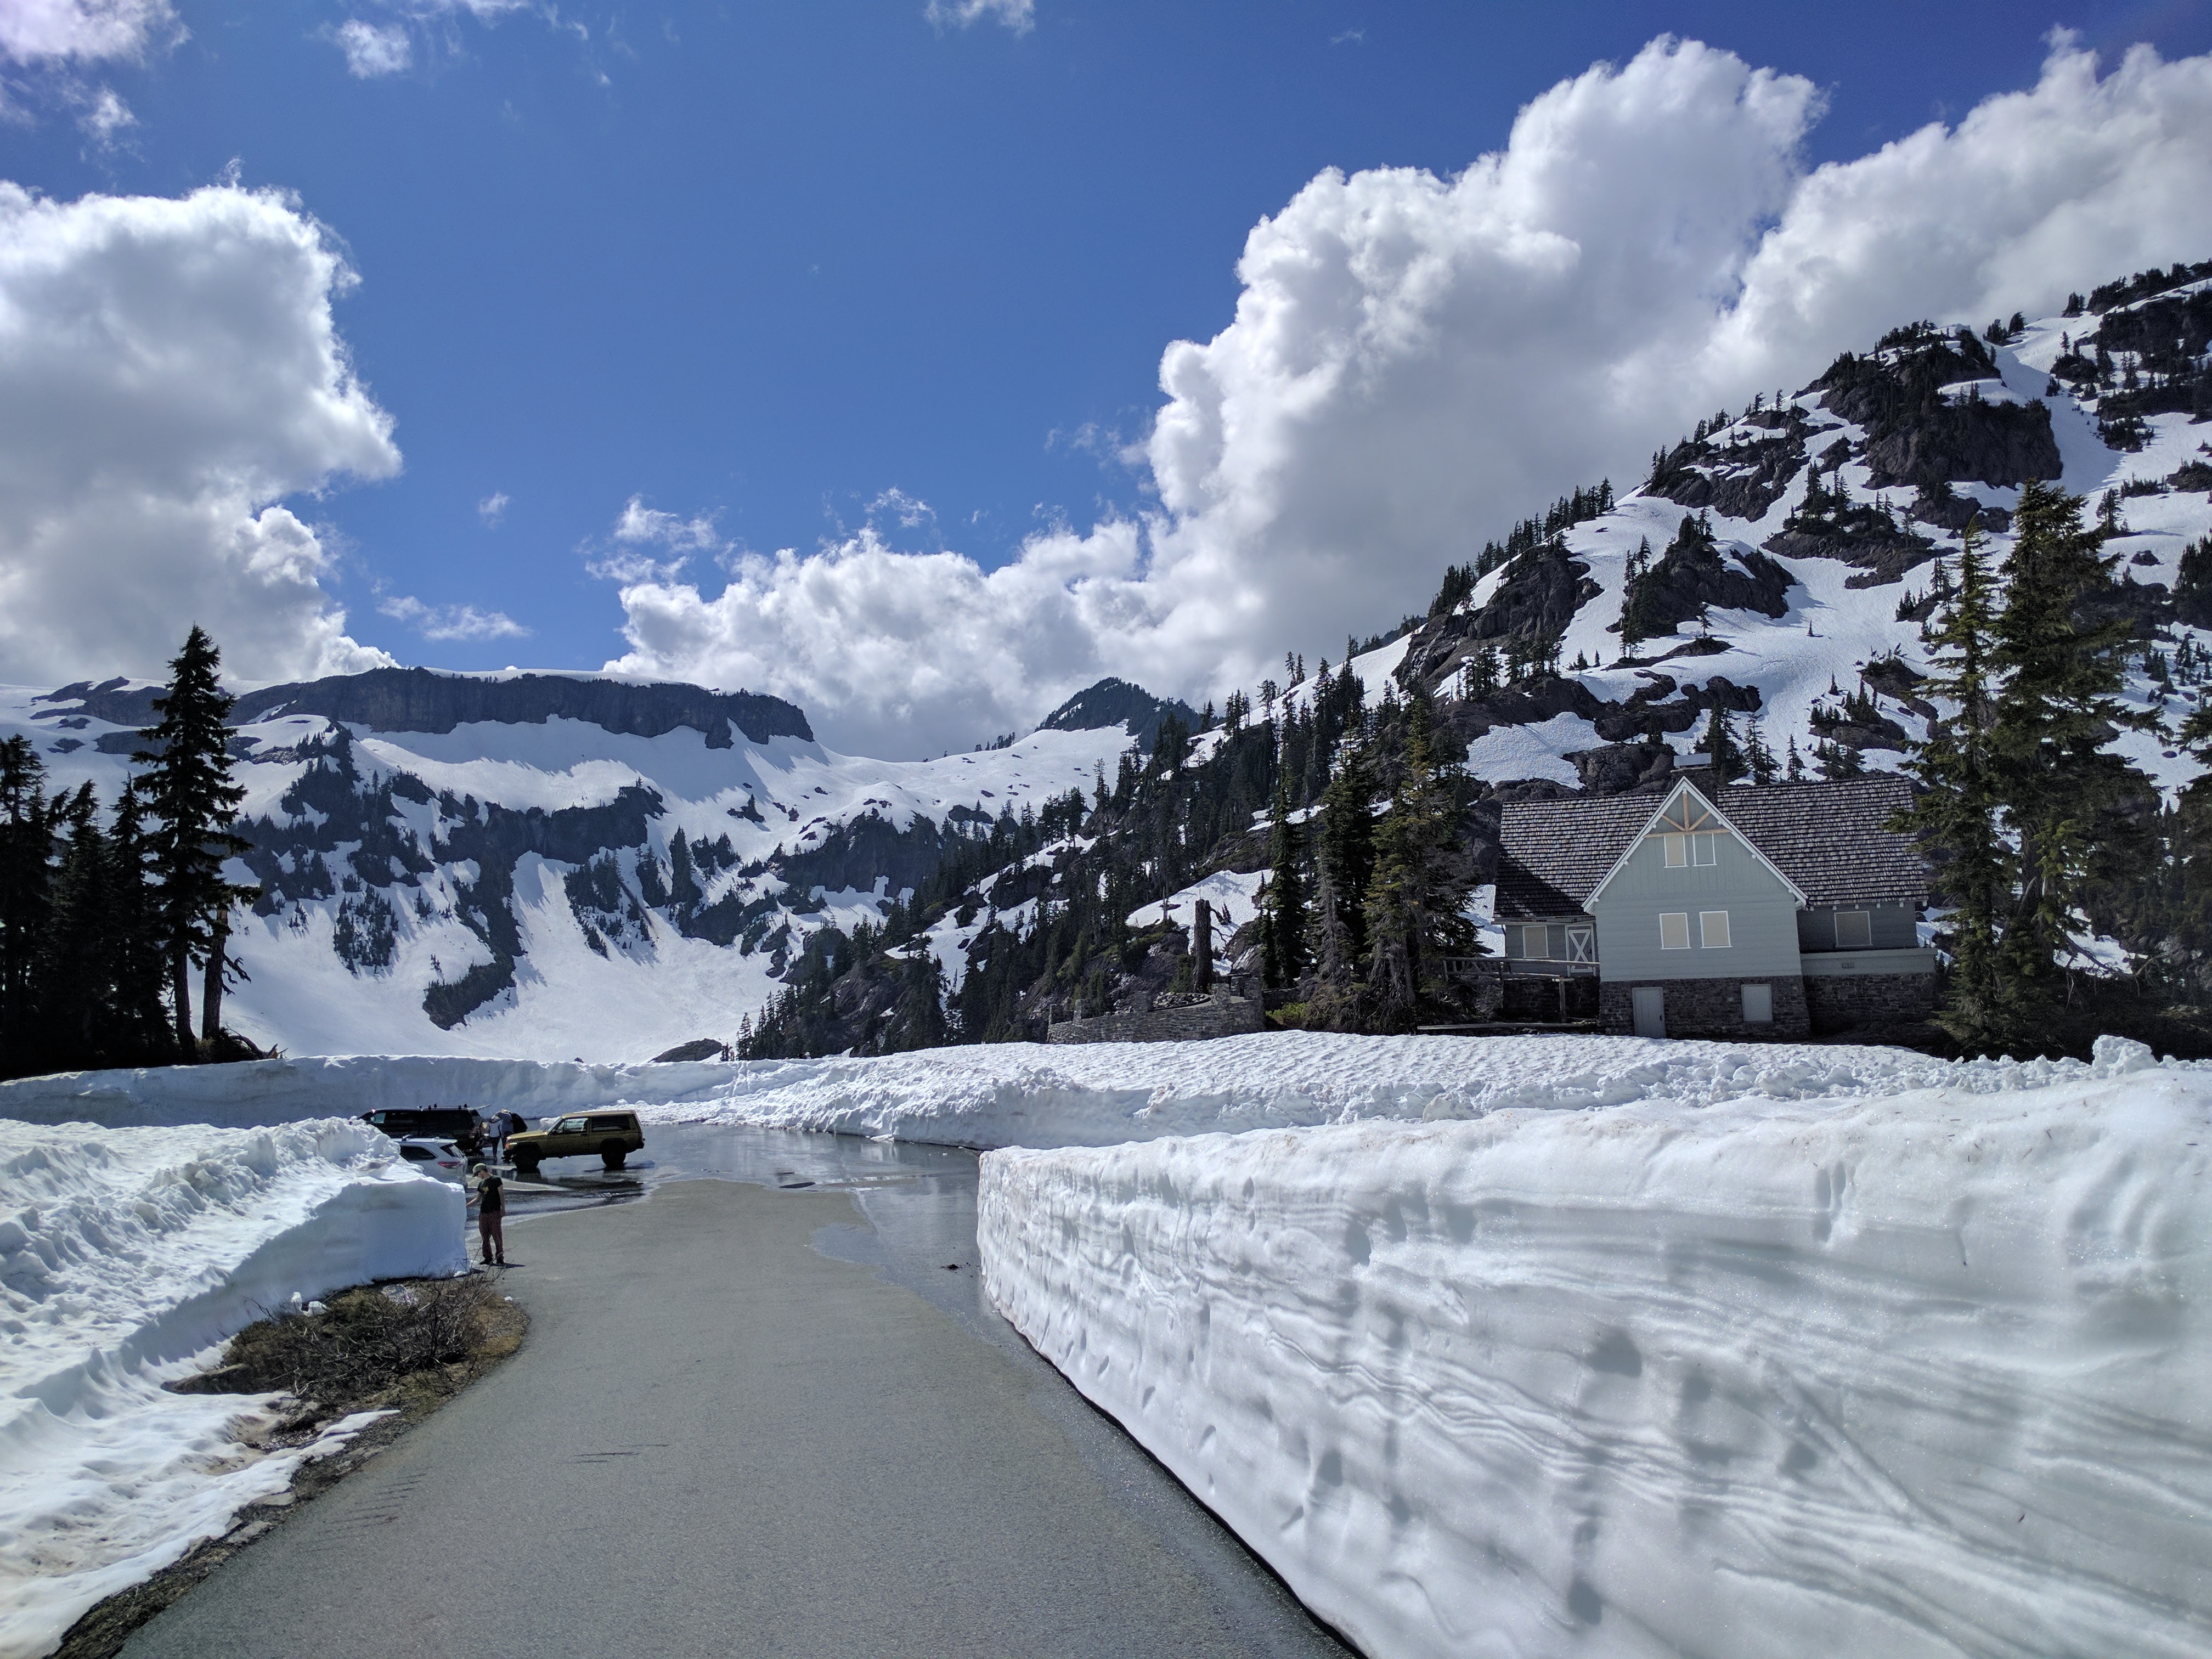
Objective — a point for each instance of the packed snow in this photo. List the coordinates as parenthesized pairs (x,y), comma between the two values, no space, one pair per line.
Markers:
(1889,1359)
(126,1257)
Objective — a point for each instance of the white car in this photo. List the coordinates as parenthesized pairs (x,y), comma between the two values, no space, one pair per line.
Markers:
(440,1160)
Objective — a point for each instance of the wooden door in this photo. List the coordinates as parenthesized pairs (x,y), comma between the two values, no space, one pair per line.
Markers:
(1650,1008)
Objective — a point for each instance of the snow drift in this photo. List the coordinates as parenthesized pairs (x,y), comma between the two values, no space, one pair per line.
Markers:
(1918,1373)
(124,1256)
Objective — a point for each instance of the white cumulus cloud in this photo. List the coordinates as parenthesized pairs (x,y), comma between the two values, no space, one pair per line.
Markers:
(170,372)
(375,49)
(492,508)
(85,31)
(1019,16)
(1417,361)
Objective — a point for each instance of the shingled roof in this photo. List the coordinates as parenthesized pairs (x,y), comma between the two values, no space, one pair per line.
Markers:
(1827,837)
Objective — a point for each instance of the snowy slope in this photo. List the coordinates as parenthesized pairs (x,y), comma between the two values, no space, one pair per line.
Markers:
(125,1256)
(1902,1372)
(1839,617)
(341,954)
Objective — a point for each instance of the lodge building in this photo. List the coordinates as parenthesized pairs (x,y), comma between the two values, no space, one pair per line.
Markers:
(1784,911)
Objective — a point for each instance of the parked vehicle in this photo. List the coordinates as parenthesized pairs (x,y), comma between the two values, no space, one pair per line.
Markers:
(613,1135)
(438,1159)
(442,1122)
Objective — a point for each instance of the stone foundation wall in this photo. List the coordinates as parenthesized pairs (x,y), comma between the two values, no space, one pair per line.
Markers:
(1842,1002)
(1711,1008)
(1224,1016)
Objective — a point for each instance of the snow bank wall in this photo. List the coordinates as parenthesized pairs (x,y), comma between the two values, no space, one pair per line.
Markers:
(1018,1094)
(124,1253)
(255,1093)
(1022,1094)
(1908,1376)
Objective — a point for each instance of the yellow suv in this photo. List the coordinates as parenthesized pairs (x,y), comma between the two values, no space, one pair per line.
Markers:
(613,1135)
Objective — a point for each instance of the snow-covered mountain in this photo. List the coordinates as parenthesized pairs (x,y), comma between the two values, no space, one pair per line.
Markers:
(548,866)
(1829,511)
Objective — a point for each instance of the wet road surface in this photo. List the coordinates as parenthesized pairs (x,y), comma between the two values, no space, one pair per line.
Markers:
(751,1418)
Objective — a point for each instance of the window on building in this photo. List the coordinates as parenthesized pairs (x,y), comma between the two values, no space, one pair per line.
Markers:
(1533,939)
(1854,930)
(1702,846)
(1674,930)
(1713,929)
(1759,1004)
(1678,851)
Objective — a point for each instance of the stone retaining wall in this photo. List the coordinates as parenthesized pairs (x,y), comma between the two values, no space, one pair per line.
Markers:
(1842,1002)
(1711,1008)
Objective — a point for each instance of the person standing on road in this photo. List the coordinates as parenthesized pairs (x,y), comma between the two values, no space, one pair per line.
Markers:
(491,1199)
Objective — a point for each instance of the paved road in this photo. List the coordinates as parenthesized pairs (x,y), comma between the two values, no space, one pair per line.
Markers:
(720,1440)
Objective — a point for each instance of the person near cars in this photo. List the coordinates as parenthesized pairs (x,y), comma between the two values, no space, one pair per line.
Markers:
(491,1199)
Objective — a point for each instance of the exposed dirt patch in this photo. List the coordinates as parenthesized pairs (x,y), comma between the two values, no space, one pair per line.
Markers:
(406,1347)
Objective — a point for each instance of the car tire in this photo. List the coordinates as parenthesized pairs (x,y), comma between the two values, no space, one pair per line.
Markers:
(612,1155)
(527,1167)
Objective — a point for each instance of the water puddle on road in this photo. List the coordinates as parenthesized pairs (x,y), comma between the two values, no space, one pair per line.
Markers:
(919,1201)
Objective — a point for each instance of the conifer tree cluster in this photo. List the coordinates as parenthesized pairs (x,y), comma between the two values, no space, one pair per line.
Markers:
(2039,832)
(104,917)
(1361,909)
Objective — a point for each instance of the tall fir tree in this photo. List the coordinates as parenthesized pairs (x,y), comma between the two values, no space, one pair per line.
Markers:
(1723,753)
(137,960)
(74,980)
(193,801)
(1959,814)
(26,882)
(1283,905)
(1758,757)
(1421,881)
(1346,854)
(2068,800)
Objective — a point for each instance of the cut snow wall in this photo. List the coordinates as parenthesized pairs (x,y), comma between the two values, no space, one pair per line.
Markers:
(253,1093)
(1901,1376)
(1028,1094)
(125,1256)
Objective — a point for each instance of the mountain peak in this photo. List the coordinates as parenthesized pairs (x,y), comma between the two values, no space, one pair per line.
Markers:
(1117,703)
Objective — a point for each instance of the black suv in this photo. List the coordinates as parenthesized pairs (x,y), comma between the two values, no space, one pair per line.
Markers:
(443,1122)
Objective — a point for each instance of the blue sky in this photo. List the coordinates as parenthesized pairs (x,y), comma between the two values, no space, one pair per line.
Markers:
(765,264)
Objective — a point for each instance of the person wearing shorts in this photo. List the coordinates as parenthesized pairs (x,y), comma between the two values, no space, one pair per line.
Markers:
(491,1213)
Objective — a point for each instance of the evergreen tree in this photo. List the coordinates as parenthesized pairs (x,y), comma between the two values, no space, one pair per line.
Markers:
(1793,770)
(2065,798)
(1639,618)
(1283,905)
(193,803)
(684,889)
(26,857)
(74,983)
(137,965)
(1721,754)
(1348,846)
(1421,881)
(1959,817)
(1758,757)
